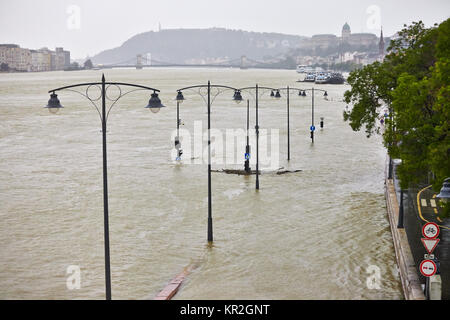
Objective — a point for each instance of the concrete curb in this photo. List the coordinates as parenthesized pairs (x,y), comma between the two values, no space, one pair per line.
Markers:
(172,287)
(412,288)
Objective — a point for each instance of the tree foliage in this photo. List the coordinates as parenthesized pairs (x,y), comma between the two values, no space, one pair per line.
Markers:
(412,83)
(88,64)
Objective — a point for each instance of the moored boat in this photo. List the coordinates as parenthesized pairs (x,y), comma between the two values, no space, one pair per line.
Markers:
(310,77)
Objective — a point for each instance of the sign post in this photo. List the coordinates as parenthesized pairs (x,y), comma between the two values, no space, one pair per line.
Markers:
(428,267)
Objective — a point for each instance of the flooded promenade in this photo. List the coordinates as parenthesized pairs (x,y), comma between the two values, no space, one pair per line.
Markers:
(321,233)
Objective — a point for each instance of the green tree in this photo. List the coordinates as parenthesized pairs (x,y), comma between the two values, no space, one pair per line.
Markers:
(88,64)
(413,84)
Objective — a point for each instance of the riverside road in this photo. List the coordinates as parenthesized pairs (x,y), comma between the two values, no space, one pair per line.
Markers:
(420,207)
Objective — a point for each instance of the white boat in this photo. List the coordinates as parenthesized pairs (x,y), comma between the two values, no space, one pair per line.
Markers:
(301,68)
(322,77)
(304,69)
(310,77)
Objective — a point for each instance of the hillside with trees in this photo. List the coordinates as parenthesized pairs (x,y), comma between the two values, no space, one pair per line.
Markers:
(186,45)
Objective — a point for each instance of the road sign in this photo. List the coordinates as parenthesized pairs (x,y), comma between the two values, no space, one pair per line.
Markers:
(312,128)
(430,244)
(430,230)
(427,268)
(247,156)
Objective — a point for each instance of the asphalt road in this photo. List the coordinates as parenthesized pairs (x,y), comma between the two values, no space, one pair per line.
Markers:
(420,207)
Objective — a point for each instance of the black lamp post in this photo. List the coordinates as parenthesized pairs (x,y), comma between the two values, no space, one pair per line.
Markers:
(257,135)
(313,90)
(238,98)
(274,93)
(444,194)
(401,214)
(179,99)
(209,99)
(278,96)
(247,147)
(391,124)
(301,93)
(288,129)
(257,95)
(54,106)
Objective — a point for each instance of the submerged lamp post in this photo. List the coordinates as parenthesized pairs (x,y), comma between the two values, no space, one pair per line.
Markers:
(274,93)
(154,105)
(209,99)
(179,99)
(313,90)
(301,93)
(257,96)
(238,99)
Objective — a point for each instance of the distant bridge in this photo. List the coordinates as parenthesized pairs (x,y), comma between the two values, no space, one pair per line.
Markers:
(144,61)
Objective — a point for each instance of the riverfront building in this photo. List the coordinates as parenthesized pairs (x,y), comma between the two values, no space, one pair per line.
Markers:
(14,58)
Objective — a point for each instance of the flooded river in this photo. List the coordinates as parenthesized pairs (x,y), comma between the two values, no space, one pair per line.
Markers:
(321,233)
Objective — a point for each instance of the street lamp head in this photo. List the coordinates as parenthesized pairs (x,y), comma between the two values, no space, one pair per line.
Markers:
(272,94)
(325,94)
(444,195)
(180,97)
(304,93)
(53,104)
(237,97)
(154,104)
(278,95)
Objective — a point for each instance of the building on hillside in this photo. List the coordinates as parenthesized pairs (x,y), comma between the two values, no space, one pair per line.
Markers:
(359,48)
(355,40)
(324,40)
(361,39)
(346,31)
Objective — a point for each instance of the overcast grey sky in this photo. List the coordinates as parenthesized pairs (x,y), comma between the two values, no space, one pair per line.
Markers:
(86,27)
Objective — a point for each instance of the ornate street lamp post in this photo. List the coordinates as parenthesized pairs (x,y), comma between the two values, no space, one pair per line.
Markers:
(258,92)
(302,93)
(54,106)
(209,99)
(313,90)
(444,194)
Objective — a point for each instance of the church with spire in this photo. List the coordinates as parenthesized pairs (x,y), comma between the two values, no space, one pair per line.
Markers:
(360,47)
(381,52)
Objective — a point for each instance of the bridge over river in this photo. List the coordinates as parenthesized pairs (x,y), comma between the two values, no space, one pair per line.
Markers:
(144,61)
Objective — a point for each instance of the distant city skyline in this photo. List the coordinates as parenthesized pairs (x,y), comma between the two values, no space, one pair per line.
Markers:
(89,27)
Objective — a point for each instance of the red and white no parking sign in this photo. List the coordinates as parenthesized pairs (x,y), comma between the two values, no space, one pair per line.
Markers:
(428,268)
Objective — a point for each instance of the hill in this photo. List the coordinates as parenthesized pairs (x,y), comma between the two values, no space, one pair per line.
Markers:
(200,45)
